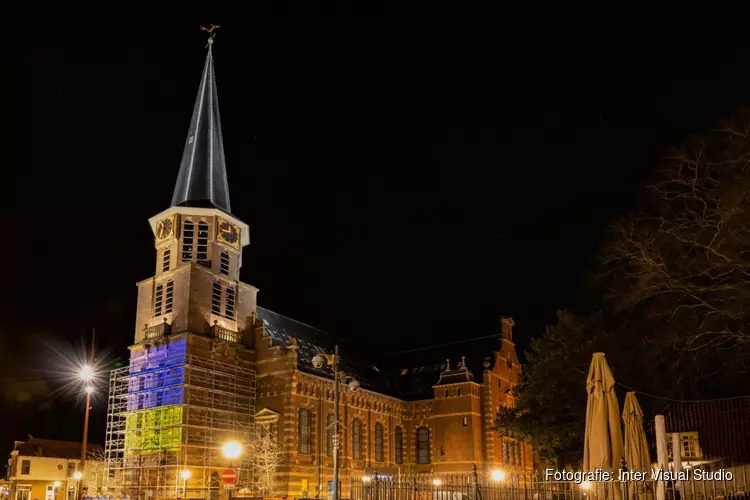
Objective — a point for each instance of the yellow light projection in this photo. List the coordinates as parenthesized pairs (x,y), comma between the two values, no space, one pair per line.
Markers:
(153,430)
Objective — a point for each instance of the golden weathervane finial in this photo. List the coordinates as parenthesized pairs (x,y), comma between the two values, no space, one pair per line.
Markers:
(211,32)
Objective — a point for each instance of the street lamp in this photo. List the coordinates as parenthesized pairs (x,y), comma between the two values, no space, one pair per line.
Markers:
(185,475)
(77,475)
(498,475)
(319,361)
(86,374)
(231,450)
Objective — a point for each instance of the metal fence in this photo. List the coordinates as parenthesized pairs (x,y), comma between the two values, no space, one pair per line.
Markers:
(713,482)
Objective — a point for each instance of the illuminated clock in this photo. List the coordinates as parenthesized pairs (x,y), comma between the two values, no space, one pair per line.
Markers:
(165,228)
(228,233)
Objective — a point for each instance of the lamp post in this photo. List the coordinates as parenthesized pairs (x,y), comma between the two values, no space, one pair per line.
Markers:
(78,475)
(319,361)
(231,451)
(185,475)
(86,375)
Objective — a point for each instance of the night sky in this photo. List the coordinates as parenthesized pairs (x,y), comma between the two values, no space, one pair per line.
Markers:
(402,190)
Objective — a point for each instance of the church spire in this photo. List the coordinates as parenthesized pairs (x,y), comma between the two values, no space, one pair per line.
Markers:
(202,181)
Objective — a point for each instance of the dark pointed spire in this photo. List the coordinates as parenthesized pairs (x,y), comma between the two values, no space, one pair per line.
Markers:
(202,180)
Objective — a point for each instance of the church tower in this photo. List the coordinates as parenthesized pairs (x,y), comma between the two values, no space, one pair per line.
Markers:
(190,386)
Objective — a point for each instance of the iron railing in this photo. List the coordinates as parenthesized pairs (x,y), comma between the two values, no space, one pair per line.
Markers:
(719,481)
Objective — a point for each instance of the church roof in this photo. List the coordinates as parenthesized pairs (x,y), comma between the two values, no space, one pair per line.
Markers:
(410,375)
(309,341)
(202,180)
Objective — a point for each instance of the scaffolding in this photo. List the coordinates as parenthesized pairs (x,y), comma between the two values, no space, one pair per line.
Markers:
(170,411)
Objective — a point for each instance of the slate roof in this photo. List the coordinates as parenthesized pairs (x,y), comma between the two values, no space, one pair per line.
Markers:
(409,375)
(416,372)
(39,447)
(202,179)
(311,341)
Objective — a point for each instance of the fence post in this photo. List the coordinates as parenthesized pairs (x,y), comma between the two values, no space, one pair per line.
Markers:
(624,484)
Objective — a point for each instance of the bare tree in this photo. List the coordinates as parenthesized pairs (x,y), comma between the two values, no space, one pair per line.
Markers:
(268,455)
(678,267)
(93,476)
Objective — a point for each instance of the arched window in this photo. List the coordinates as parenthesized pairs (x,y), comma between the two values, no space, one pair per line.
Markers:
(458,391)
(423,445)
(399,445)
(379,442)
(357,439)
(330,435)
(305,432)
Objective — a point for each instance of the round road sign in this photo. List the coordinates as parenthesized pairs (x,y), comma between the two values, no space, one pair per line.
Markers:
(229,476)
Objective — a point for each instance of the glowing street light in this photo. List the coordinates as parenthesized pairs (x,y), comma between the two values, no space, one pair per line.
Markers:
(498,475)
(585,486)
(185,475)
(77,475)
(57,484)
(231,450)
(436,482)
(366,479)
(86,374)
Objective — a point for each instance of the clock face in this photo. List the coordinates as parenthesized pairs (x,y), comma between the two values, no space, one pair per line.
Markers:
(165,228)
(228,233)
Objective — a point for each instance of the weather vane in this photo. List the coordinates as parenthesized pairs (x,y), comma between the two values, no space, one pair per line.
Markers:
(211,32)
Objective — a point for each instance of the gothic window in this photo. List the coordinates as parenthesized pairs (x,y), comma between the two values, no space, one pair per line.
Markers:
(216,298)
(330,434)
(202,254)
(224,269)
(505,453)
(423,445)
(458,391)
(168,297)
(465,421)
(158,297)
(305,432)
(165,260)
(229,307)
(357,439)
(399,438)
(188,233)
(378,442)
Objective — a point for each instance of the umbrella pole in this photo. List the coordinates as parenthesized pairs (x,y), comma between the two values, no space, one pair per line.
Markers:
(661,453)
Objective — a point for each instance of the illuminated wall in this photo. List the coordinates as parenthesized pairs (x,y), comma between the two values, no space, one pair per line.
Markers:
(155,392)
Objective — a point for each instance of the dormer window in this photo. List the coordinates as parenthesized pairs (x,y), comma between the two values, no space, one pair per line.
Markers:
(188,233)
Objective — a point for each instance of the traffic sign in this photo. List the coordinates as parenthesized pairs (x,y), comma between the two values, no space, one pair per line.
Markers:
(229,476)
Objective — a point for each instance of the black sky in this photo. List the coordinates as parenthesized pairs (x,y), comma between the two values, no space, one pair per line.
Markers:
(401,189)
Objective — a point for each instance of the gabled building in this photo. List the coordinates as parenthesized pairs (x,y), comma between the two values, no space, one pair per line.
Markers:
(44,469)
(208,365)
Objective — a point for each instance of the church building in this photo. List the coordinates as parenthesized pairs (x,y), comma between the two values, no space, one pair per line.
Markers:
(209,366)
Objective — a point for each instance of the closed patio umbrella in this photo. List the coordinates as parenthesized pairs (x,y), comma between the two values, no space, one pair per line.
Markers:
(603,446)
(636,445)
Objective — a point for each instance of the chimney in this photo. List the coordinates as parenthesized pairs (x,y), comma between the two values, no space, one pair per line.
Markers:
(507,332)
